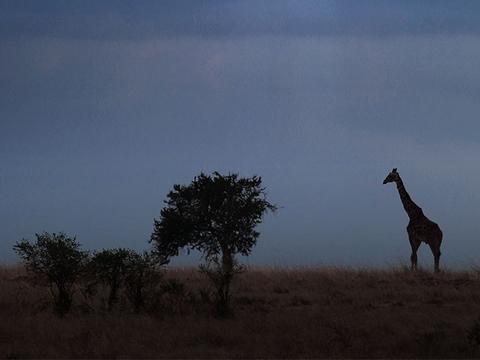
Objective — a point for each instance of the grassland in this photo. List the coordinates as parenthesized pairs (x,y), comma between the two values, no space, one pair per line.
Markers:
(279,313)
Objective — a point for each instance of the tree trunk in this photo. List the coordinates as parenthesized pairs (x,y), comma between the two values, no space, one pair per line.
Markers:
(64,300)
(223,287)
(112,298)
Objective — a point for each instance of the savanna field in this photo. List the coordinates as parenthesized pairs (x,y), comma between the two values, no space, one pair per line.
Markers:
(278,313)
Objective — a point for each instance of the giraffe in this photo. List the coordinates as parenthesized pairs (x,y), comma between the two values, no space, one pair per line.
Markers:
(420,228)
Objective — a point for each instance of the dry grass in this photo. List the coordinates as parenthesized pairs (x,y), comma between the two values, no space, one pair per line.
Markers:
(279,313)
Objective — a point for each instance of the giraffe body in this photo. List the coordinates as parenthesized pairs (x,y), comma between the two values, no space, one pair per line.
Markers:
(420,228)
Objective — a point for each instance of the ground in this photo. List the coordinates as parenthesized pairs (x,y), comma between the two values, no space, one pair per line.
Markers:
(279,313)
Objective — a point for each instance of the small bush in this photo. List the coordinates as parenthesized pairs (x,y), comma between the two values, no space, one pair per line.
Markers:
(57,258)
(221,277)
(109,267)
(143,273)
(473,334)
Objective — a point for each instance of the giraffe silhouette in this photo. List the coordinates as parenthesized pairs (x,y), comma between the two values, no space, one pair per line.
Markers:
(420,228)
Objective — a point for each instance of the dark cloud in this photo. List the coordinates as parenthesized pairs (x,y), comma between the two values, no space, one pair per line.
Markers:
(147,19)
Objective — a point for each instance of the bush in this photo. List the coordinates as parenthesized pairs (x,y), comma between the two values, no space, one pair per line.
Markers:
(109,267)
(143,273)
(473,334)
(221,280)
(59,259)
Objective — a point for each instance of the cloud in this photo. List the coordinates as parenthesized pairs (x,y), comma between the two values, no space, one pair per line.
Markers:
(424,87)
(150,19)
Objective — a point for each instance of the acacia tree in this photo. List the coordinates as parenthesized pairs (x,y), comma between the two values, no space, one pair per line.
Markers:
(59,259)
(109,267)
(143,273)
(217,215)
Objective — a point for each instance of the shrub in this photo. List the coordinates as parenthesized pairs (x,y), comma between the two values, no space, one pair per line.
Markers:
(109,267)
(221,279)
(473,334)
(142,274)
(59,259)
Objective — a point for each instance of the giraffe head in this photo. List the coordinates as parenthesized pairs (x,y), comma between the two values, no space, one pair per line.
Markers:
(392,177)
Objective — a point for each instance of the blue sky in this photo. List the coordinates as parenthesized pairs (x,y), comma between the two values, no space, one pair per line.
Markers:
(105,105)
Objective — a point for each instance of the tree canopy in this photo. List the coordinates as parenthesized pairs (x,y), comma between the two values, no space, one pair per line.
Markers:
(215,214)
(57,257)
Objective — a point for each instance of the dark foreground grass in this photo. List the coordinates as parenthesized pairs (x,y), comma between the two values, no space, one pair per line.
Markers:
(279,313)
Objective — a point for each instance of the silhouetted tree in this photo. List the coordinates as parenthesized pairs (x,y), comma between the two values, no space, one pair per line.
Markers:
(217,215)
(143,273)
(109,267)
(59,259)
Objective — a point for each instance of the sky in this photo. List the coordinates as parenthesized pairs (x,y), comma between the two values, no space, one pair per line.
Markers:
(105,105)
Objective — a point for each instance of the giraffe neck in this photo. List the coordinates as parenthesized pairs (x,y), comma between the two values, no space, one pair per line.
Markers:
(413,210)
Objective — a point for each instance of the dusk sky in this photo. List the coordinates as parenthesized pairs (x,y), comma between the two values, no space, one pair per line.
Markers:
(104,105)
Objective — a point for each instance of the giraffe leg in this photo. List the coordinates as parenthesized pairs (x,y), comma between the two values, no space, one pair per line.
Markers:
(437,261)
(436,256)
(413,258)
